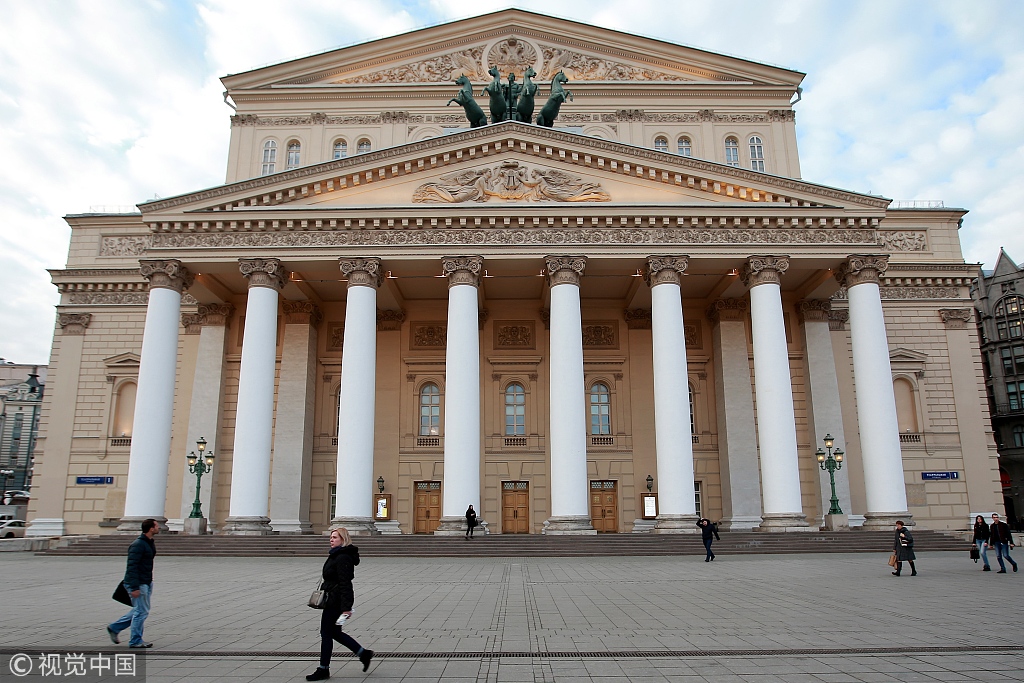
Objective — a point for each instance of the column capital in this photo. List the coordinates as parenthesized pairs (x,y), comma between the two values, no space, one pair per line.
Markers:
(216,315)
(760,270)
(462,270)
(638,318)
(301,313)
(860,268)
(665,269)
(814,310)
(727,309)
(192,322)
(564,270)
(362,272)
(390,321)
(74,323)
(955,318)
(166,274)
(263,272)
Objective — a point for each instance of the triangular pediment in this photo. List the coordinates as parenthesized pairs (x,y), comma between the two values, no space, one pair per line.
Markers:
(903,355)
(123,360)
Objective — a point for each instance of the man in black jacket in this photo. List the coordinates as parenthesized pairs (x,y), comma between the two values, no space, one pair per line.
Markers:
(1001,539)
(138,581)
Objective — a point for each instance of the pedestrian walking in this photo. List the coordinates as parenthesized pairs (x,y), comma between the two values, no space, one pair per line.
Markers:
(138,581)
(708,531)
(1002,540)
(338,572)
(470,521)
(981,536)
(903,546)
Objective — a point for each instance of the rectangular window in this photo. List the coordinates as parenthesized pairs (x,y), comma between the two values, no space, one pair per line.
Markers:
(1018,359)
(1018,437)
(332,502)
(1001,330)
(1007,361)
(1015,329)
(1012,395)
(696,496)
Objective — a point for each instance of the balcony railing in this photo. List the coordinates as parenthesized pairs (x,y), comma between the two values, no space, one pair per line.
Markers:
(602,440)
(428,441)
(1009,409)
(121,442)
(515,442)
(909,437)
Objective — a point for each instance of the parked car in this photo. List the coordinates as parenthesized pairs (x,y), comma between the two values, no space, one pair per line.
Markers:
(12,528)
(15,497)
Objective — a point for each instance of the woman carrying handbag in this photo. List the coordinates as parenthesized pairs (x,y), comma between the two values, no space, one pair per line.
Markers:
(903,548)
(981,537)
(339,570)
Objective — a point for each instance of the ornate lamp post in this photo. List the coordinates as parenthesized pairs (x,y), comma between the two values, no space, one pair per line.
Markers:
(198,465)
(380,484)
(650,483)
(830,464)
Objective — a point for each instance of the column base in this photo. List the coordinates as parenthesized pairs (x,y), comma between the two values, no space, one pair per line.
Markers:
(133,525)
(568,525)
(740,523)
(781,523)
(837,523)
(456,526)
(676,524)
(246,526)
(291,526)
(357,526)
(45,527)
(194,526)
(643,526)
(886,521)
(388,528)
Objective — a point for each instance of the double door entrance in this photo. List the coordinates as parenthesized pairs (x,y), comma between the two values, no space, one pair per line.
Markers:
(604,506)
(515,507)
(427,507)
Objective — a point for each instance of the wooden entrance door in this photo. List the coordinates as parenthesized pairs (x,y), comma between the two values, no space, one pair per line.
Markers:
(515,507)
(604,506)
(427,507)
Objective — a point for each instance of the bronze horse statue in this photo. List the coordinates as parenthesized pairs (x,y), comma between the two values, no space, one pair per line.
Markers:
(529,89)
(498,104)
(558,95)
(474,113)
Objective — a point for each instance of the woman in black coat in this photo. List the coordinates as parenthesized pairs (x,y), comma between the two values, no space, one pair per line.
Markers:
(339,570)
(903,546)
(981,538)
(470,521)
(707,531)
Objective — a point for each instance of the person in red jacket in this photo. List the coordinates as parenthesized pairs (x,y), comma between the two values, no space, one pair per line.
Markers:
(1001,539)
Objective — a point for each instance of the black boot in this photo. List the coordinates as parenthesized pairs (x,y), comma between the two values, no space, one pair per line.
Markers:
(913,569)
(365,658)
(321,674)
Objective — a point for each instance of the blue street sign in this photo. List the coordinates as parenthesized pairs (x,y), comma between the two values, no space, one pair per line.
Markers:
(932,476)
(94,480)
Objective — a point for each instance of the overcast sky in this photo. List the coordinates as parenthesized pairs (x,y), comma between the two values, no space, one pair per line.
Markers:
(109,103)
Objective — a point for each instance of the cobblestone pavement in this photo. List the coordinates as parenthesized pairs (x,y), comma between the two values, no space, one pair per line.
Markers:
(756,618)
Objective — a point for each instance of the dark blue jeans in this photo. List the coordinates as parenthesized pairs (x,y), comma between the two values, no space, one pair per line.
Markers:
(707,547)
(1003,550)
(329,632)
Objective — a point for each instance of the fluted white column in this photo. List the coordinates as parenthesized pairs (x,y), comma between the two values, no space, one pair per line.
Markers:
(146,494)
(254,414)
(358,396)
(461,395)
(677,511)
(570,508)
(885,492)
(776,422)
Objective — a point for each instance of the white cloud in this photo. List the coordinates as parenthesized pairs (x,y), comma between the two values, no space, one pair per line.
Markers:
(110,103)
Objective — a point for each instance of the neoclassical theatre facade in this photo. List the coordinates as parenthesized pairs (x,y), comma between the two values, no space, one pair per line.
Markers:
(635,316)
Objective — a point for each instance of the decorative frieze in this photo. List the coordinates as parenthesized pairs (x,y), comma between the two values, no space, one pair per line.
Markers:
(124,245)
(514,334)
(512,54)
(301,313)
(509,181)
(319,118)
(903,240)
(433,70)
(564,270)
(263,272)
(462,270)
(431,335)
(362,272)
(693,336)
(110,298)
(74,323)
(638,318)
(602,334)
(859,269)
(665,269)
(166,273)
(389,320)
(583,67)
(727,309)
(335,336)
(955,318)
(911,293)
(759,270)
(814,310)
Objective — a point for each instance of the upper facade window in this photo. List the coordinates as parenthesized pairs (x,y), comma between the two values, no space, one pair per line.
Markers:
(340,149)
(684,147)
(430,410)
(294,155)
(269,157)
(1009,314)
(363,146)
(756,154)
(732,152)
(600,409)
(515,410)
(661,144)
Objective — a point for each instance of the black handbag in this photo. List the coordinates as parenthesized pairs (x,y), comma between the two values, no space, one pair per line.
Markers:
(975,555)
(318,599)
(121,594)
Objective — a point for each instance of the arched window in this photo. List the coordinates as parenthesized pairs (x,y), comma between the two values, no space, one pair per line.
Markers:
(340,149)
(906,406)
(430,410)
(124,410)
(294,155)
(756,154)
(515,410)
(661,144)
(1009,313)
(600,409)
(269,157)
(1018,436)
(684,147)
(732,152)
(693,422)
(363,147)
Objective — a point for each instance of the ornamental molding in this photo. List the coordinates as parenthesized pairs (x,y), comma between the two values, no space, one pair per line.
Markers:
(903,240)
(586,67)
(320,119)
(693,335)
(192,322)
(814,310)
(74,323)
(512,54)
(335,336)
(545,317)
(509,181)
(123,245)
(263,272)
(110,298)
(861,269)
(837,319)
(638,318)
(600,334)
(896,293)
(302,313)
(760,270)
(216,315)
(166,274)
(514,334)
(429,335)
(734,310)
(362,272)
(955,318)
(564,270)
(440,68)
(389,320)
(665,270)
(462,270)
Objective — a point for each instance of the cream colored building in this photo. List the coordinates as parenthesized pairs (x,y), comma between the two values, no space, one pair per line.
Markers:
(536,321)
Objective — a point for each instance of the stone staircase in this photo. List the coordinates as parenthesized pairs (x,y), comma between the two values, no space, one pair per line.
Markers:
(508,545)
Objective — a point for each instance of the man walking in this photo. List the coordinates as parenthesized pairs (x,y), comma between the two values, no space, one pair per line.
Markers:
(138,580)
(1001,539)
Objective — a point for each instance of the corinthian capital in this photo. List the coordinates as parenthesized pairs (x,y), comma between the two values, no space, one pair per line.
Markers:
(263,272)
(362,272)
(814,310)
(74,323)
(955,318)
(858,269)
(216,314)
(301,313)
(166,273)
(462,270)
(565,270)
(727,309)
(665,269)
(759,270)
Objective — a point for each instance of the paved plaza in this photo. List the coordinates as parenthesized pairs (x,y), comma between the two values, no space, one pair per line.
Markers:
(792,618)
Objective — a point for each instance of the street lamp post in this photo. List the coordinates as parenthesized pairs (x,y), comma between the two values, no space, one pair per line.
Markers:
(831,463)
(198,465)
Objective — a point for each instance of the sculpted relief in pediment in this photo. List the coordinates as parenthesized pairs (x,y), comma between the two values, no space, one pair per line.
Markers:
(509,181)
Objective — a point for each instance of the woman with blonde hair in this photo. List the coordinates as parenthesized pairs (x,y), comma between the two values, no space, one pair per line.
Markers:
(339,570)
